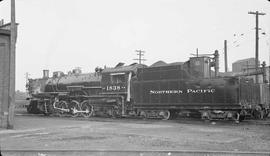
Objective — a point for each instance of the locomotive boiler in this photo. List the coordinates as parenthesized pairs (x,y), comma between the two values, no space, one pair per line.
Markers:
(104,92)
(61,93)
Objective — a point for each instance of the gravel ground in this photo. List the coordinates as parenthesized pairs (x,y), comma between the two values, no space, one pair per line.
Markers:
(53,133)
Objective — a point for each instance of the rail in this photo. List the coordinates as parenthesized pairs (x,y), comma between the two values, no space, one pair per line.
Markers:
(133,152)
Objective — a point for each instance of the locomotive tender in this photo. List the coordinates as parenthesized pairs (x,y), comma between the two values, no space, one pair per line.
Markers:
(159,91)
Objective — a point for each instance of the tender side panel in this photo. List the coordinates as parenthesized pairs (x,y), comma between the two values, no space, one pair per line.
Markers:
(253,94)
(187,94)
(249,92)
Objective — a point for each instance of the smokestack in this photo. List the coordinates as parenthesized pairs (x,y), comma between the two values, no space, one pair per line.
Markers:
(45,73)
(1,22)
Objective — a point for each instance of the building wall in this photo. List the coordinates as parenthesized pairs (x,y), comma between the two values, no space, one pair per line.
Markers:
(4,78)
(244,65)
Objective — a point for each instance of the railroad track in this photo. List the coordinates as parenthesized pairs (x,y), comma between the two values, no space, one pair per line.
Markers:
(177,120)
(130,153)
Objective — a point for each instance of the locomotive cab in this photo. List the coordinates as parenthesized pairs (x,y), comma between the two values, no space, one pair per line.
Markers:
(117,80)
(115,83)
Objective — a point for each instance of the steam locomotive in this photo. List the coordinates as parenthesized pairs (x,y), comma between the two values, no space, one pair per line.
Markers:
(158,91)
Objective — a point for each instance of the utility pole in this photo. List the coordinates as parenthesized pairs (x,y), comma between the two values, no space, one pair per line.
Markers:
(225,56)
(256,40)
(140,53)
(26,82)
(11,105)
(26,78)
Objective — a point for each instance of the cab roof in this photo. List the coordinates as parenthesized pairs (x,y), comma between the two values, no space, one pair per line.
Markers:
(121,68)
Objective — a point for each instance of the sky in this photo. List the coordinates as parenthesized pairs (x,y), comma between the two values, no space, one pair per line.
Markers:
(60,35)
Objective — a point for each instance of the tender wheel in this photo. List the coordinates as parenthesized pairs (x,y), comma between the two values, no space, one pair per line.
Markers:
(174,114)
(60,105)
(258,112)
(143,114)
(205,115)
(87,109)
(262,114)
(74,107)
(242,114)
(165,114)
(266,113)
(112,112)
(116,112)
(242,117)
(237,118)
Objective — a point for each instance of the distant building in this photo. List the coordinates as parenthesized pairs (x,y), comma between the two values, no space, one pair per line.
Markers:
(245,65)
(7,26)
(4,76)
(6,110)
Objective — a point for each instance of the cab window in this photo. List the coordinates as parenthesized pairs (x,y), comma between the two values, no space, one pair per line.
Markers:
(117,78)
